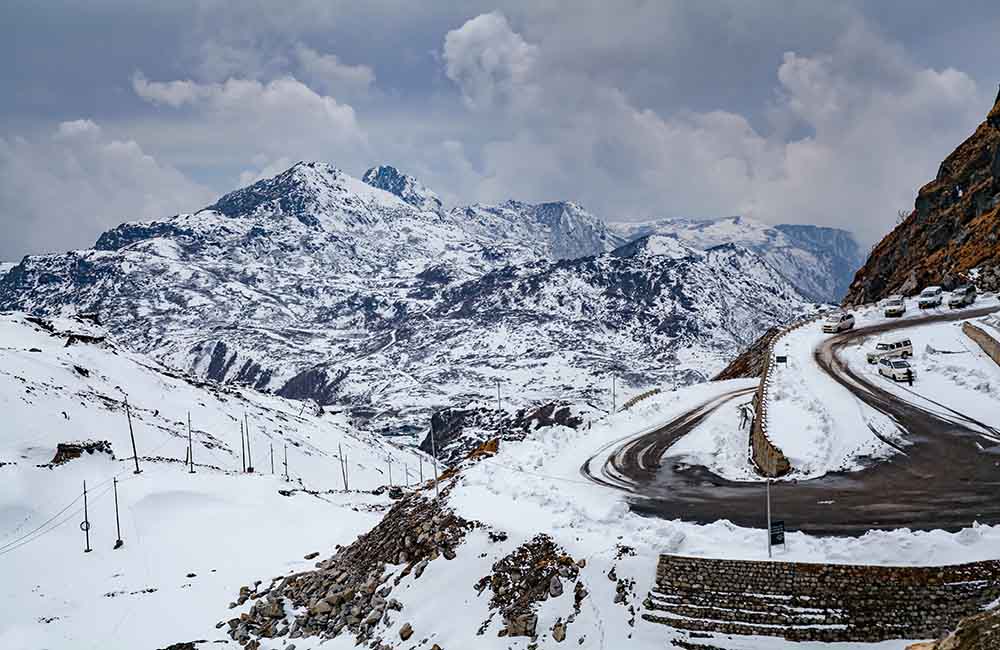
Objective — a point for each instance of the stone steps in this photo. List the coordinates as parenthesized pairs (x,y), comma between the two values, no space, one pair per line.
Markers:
(818,602)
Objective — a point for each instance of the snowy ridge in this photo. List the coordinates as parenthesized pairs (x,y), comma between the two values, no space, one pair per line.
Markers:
(316,285)
(819,262)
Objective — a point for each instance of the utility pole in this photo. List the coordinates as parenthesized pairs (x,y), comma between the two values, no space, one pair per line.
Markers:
(499,406)
(286,462)
(343,465)
(249,453)
(613,404)
(406,475)
(272,457)
(131,433)
(434,454)
(769,519)
(85,524)
(190,446)
(388,461)
(243,449)
(118,526)
(421,459)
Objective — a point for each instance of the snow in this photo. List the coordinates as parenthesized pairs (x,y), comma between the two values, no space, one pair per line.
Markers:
(218,523)
(230,529)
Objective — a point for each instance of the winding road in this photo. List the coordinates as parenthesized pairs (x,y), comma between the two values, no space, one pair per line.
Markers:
(947,474)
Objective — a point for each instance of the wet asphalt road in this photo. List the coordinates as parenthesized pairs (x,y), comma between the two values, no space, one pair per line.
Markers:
(947,476)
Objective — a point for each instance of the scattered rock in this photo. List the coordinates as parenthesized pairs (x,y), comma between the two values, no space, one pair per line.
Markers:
(311,556)
(405,632)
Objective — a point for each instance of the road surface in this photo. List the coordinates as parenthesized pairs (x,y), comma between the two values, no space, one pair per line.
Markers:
(947,475)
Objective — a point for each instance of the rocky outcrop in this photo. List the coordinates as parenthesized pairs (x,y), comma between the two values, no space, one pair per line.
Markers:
(530,574)
(750,362)
(351,592)
(458,431)
(67,451)
(953,228)
(979,632)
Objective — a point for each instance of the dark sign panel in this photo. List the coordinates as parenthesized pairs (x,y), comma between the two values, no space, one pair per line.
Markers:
(778,533)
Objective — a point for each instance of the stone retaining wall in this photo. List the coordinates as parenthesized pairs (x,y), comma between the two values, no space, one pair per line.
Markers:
(989,344)
(818,602)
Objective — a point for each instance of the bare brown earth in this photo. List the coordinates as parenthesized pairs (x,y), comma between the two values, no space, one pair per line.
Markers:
(947,474)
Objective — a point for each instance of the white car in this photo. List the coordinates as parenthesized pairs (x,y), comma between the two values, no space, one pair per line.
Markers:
(896,369)
(894,306)
(901,348)
(930,297)
(963,296)
(838,322)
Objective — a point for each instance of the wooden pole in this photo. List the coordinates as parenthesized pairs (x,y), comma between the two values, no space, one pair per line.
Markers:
(249,453)
(86,519)
(243,449)
(190,445)
(131,433)
(286,462)
(118,526)
(272,458)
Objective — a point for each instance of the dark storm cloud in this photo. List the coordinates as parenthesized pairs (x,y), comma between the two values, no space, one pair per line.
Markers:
(831,113)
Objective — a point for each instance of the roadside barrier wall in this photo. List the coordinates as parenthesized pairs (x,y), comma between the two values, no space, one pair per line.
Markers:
(989,344)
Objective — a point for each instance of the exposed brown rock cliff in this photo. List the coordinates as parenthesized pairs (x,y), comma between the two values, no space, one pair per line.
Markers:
(954,226)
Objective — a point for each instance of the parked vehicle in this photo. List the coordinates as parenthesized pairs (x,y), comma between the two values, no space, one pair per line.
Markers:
(929,297)
(838,322)
(897,370)
(894,306)
(891,349)
(963,296)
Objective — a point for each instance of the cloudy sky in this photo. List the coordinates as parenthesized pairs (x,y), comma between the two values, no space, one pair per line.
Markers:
(801,112)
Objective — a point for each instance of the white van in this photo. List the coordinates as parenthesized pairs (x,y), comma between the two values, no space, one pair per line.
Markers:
(901,348)
(838,321)
(929,297)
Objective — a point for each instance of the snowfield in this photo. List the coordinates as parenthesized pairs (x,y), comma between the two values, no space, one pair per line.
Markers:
(230,529)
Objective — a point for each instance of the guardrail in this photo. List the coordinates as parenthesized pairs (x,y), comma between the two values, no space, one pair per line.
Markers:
(764,455)
(638,398)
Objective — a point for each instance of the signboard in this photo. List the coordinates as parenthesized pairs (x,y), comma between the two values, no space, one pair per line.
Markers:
(781,358)
(777,533)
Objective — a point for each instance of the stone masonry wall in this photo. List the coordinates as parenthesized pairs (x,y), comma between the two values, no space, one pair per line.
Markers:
(818,602)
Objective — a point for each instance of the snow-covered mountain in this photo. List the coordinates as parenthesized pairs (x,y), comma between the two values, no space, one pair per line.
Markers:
(314,284)
(820,262)
(406,187)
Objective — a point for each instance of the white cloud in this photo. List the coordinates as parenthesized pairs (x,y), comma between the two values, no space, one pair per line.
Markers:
(490,62)
(237,121)
(327,73)
(869,127)
(60,191)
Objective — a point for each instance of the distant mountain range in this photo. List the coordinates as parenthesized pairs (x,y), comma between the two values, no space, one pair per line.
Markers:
(370,295)
(819,262)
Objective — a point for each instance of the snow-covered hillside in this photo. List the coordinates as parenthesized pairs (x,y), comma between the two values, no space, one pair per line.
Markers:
(190,540)
(315,285)
(819,262)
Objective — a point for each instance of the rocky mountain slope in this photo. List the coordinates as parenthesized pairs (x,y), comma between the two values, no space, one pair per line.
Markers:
(315,285)
(953,229)
(819,262)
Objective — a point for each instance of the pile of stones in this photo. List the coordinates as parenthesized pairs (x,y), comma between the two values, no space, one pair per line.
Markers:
(352,591)
(530,574)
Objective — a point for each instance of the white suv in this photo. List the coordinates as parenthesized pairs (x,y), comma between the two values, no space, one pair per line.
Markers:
(896,369)
(838,322)
(894,306)
(888,349)
(929,297)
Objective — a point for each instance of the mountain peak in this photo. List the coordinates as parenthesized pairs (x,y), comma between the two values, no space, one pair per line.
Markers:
(406,187)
